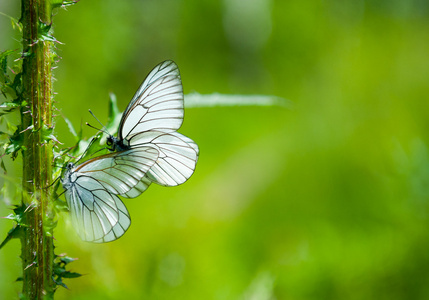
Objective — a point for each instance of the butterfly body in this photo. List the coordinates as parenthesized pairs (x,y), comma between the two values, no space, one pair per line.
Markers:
(115,144)
(67,178)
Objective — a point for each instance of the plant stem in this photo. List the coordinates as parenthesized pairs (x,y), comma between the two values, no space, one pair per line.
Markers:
(37,243)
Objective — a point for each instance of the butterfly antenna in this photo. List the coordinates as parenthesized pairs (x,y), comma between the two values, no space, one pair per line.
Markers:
(98,129)
(104,129)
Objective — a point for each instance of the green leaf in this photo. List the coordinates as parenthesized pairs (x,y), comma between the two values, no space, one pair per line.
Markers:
(9,105)
(7,86)
(66,260)
(72,130)
(63,3)
(13,217)
(8,91)
(13,149)
(69,274)
(3,166)
(47,134)
(15,144)
(15,22)
(3,59)
(43,32)
(114,117)
(12,128)
(16,85)
(18,215)
(15,232)
(60,271)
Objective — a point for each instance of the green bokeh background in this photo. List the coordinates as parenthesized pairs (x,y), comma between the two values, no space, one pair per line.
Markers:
(328,200)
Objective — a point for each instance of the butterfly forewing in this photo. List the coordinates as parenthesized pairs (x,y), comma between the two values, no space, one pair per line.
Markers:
(119,172)
(166,68)
(158,106)
(92,187)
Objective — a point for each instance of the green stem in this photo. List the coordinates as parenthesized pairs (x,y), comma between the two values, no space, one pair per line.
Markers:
(37,243)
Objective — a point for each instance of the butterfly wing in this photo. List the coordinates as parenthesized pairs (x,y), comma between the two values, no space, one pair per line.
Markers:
(157,105)
(138,189)
(92,188)
(119,172)
(97,215)
(151,120)
(166,68)
(177,158)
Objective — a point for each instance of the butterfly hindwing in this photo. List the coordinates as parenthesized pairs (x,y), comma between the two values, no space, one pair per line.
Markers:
(177,158)
(138,189)
(97,215)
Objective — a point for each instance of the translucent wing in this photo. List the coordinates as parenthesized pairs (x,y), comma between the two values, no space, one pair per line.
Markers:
(177,158)
(176,163)
(97,215)
(190,143)
(166,68)
(157,105)
(138,189)
(150,121)
(119,172)
(91,188)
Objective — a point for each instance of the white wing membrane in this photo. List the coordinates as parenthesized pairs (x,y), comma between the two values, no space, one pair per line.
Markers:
(166,68)
(138,189)
(158,103)
(119,172)
(177,158)
(97,215)
(160,107)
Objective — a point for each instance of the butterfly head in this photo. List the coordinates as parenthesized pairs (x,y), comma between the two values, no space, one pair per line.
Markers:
(111,141)
(115,143)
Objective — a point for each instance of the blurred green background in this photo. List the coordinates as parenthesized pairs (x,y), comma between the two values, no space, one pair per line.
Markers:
(328,200)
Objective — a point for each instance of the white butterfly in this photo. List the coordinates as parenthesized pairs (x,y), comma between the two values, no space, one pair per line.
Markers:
(148,149)
(151,119)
